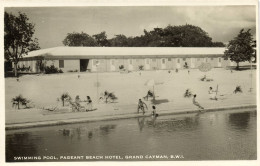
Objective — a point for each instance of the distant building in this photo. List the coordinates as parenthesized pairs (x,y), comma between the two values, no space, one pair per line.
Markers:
(110,58)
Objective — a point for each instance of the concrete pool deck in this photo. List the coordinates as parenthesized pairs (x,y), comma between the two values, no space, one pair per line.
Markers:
(43,90)
(27,118)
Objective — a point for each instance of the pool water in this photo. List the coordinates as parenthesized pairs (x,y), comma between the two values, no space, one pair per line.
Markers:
(223,135)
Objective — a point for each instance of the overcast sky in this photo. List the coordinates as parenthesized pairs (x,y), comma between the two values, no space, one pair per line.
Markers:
(53,23)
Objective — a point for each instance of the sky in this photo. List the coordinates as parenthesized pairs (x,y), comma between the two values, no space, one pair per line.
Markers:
(52,24)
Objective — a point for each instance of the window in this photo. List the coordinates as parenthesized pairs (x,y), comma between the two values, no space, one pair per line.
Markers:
(206,59)
(184,59)
(219,59)
(147,61)
(154,60)
(169,59)
(163,61)
(178,60)
(112,62)
(61,63)
(130,61)
(212,59)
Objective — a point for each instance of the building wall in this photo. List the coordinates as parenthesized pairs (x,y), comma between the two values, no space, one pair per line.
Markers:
(112,65)
(71,65)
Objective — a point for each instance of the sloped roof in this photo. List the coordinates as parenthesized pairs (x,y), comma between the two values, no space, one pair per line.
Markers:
(78,52)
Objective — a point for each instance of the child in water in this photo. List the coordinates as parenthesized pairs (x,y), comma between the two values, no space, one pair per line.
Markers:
(154,114)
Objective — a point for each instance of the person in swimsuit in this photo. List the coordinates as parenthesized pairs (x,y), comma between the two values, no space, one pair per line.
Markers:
(141,105)
(195,102)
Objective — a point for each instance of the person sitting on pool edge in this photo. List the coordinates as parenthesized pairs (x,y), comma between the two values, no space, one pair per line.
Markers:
(89,104)
(212,94)
(195,102)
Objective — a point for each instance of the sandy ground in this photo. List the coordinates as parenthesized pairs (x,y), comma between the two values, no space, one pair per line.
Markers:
(43,90)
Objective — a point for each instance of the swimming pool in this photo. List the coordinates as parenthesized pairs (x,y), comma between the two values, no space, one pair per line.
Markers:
(223,135)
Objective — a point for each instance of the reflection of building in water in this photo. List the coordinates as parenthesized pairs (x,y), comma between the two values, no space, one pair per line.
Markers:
(81,132)
(25,138)
(239,120)
(178,124)
(106,129)
(110,58)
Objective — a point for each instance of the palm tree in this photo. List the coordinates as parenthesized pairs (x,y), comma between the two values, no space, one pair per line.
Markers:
(19,99)
(64,97)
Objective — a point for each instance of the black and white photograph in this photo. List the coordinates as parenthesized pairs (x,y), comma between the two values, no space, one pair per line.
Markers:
(130,83)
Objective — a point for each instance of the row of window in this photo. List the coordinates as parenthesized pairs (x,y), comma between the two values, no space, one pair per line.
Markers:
(147,61)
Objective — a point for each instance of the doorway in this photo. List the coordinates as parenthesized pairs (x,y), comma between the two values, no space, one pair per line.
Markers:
(83,65)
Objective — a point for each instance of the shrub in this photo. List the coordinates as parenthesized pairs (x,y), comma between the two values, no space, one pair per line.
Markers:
(52,69)
(204,78)
(20,100)
(109,97)
(238,89)
(65,97)
(187,93)
(141,67)
(71,71)
(185,66)
(121,67)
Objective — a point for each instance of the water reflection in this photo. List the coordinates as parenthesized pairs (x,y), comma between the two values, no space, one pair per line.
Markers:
(216,136)
(140,122)
(239,120)
(106,129)
(90,134)
(80,132)
(185,123)
(29,145)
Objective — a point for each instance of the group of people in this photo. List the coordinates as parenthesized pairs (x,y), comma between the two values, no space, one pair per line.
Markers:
(88,106)
(142,106)
(212,96)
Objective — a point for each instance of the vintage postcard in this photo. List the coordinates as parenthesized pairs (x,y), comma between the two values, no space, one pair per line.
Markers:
(130,82)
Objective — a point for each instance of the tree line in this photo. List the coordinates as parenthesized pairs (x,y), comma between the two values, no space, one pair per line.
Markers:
(170,36)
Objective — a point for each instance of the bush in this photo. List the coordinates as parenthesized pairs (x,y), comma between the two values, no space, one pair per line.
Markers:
(65,97)
(238,89)
(20,100)
(121,67)
(187,94)
(204,78)
(109,97)
(186,66)
(52,69)
(71,71)
(141,67)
